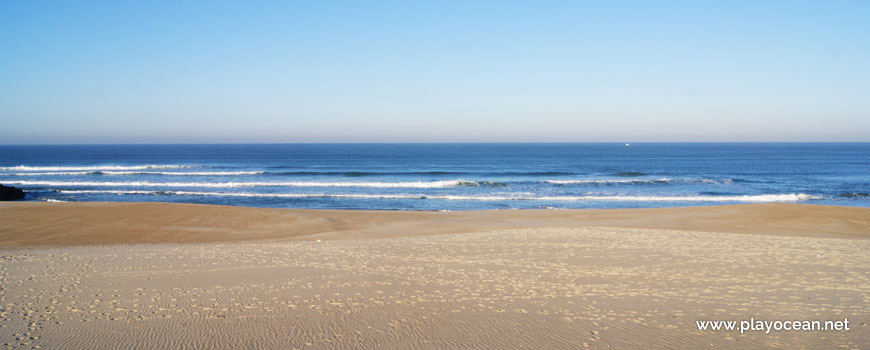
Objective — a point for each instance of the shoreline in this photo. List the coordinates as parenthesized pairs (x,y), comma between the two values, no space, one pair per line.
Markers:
(61,224)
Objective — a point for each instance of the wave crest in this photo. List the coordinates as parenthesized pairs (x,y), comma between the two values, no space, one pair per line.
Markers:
(94,167)
(785,197)
(166,173)
(411,184)
(636,181)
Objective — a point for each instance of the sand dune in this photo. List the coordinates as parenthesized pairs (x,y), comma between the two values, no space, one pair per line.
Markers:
(270,279)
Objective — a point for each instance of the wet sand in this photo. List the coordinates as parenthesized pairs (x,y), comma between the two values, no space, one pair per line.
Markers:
(227,277)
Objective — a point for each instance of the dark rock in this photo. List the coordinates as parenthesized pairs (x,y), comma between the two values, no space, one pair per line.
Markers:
(8,193)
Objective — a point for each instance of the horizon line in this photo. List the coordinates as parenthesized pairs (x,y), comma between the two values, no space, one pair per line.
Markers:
(411,143)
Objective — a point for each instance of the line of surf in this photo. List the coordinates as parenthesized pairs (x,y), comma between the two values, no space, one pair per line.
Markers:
(410,184)
(784,197)
(95,167)
(636,181)
(166,173)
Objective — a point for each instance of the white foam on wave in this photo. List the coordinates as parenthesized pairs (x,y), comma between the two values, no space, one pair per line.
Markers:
(785,197)
(715,181)
(569,182)
(111,173)
(118,192)
(412,184)
(636,181)
(57,173)
(184,173)
(94,167)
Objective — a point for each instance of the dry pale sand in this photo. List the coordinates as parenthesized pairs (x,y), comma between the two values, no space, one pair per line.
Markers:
(260,279)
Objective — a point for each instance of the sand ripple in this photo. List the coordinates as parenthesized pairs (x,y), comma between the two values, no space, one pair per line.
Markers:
(533,288)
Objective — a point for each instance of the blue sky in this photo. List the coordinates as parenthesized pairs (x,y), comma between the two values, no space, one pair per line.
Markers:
(441,71)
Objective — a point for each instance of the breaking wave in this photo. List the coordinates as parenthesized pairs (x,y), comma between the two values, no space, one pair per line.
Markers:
(411,184)
(167,173)
(635,181)
(94,167)
(786,197)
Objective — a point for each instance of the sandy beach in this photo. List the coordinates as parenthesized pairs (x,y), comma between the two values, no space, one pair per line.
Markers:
(156,275)
(453,175)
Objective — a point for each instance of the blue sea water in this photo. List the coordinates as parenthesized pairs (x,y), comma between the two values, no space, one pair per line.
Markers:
(445,176)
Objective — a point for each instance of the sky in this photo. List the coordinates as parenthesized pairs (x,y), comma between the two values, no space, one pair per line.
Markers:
(440,71)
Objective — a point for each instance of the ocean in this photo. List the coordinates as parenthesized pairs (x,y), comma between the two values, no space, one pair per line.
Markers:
(445,176)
